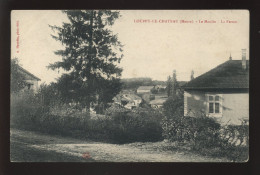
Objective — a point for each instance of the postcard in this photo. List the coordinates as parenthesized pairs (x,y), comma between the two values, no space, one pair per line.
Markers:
(129,86)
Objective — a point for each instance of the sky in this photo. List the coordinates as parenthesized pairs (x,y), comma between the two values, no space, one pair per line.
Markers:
(155,41)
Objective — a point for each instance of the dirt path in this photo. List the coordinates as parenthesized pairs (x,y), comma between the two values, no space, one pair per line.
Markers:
(42,147)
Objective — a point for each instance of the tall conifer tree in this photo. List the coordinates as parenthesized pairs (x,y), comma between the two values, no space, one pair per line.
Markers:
(90,56)
(169,86)
(174,83)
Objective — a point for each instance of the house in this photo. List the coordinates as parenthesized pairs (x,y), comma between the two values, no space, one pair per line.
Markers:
(157,103)
(221,93)
(158,87)
(144,89)
(127,100)
(31,80)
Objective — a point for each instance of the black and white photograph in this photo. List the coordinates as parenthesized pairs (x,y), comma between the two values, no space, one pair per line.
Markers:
(129,86)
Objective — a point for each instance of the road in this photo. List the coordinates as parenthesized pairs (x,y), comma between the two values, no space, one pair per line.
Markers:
(28,146)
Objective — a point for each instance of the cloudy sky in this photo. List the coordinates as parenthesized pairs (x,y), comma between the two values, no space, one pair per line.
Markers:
(151,49)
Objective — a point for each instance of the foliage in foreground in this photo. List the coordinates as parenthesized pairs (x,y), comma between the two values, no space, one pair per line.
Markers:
(200,134)
(203,134)
(119,127)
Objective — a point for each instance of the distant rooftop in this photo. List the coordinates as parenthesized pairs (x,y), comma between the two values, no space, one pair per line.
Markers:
(159,101)
(145,87)
(126,97)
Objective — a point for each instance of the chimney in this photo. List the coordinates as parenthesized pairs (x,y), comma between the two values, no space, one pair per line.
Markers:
(230,57)
(244,59)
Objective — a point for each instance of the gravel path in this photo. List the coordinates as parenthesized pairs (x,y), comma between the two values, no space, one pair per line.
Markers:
(55,148)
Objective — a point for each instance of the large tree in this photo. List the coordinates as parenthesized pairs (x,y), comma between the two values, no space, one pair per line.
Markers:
(90,56)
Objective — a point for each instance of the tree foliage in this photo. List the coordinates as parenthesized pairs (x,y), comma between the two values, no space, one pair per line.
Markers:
(90,56)
(174,105)
(48,94)
(17,78)
(172,85)
(169,86)
(175,84)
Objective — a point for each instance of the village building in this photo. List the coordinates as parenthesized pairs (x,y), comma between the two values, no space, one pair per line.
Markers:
(127,100)
(158,100)
(144,89)
(30,79)
(157,103)
(221,93)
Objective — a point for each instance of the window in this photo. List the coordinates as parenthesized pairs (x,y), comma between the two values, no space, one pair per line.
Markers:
(214,104)
(29,86)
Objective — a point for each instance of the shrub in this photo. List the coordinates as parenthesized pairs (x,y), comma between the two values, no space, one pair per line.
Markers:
(235,135)
(120,126)
(200,131)
(174,105)
(115,108)
(24,106)
(203,134)
(206,133)
(137,127)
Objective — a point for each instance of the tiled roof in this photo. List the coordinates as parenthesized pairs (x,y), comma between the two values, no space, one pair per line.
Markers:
(228,75)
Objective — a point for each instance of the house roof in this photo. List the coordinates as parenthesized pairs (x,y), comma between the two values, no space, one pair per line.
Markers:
(126,97)
(228,75)
(131,97)
(159,101)
(161,86)
(181,83)
(28,73)
(145,87)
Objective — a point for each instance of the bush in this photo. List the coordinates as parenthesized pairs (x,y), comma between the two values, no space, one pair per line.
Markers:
(134,127)
(200,131)
(24,106)
(203,134)
(207,137)
(235,135)
(120,126)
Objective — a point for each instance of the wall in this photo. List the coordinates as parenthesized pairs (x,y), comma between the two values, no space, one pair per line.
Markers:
(35,84)
(143,91)
(235,106)
(194,103)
